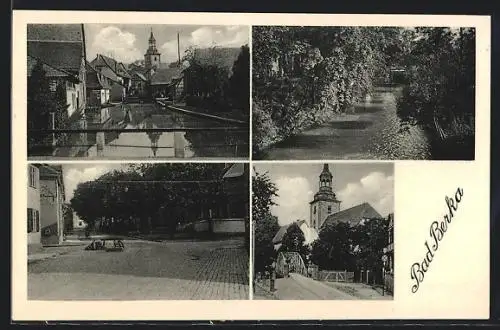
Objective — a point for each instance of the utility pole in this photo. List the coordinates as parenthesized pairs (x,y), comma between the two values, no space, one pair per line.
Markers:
(178,49)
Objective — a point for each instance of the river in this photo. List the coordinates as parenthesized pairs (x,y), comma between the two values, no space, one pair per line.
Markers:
(370,130)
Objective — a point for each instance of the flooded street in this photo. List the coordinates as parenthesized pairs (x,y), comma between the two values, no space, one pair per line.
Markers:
(370,131)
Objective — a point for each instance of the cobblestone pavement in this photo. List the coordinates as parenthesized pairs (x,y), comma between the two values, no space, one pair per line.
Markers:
(183,270)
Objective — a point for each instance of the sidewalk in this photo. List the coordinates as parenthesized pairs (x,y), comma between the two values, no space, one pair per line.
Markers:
(54,251)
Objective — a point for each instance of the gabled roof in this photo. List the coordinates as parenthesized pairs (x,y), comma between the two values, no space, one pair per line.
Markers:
(58,45)
(117,67)
(55,32)
(94,80)
(165,76)
(49,71)
(52,172)
(283,229)
(65,55)
(221,57)
(140,75)
(352,216)
(235,170)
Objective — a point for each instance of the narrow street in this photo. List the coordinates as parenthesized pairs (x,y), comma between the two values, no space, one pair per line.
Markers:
(177,270)
(371,131)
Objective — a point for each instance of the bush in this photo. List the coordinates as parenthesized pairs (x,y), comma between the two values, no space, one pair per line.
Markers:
(265,131)
(194,101)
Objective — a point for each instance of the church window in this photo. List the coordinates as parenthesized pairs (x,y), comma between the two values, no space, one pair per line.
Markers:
(329,209)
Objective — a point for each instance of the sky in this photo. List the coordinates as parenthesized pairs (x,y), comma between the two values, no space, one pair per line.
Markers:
(73,174)
(352,183)
(128,42)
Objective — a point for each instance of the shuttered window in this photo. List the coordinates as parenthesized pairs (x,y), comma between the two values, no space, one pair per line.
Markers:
(33,221)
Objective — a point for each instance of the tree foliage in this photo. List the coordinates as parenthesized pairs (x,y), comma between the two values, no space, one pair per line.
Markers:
(440,95)
(265,225)
(150,195)
(344,247)
(293,241)
(304,75)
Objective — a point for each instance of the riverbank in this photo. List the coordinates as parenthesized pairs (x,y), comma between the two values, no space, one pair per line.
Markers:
(370,129)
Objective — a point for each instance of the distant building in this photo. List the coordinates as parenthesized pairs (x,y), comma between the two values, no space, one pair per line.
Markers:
(61,50)
(118,76)
(389,250)
(51,201)
(325,211)
(167,82)
(98,95)
(33,218)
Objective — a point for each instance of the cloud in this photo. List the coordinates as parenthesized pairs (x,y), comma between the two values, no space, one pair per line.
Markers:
(73,176)
(221,36)
(294,196)
(376,188)
(120,44)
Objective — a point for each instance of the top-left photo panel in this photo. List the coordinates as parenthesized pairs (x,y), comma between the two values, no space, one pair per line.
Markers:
(138,91)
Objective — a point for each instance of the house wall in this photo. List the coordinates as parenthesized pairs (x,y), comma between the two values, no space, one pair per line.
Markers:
(34,238)
(51,214)
(117,92)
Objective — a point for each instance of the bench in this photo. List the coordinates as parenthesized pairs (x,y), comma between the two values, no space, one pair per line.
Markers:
(100,244)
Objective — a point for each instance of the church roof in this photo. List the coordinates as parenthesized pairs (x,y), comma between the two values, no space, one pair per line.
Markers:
(352,216)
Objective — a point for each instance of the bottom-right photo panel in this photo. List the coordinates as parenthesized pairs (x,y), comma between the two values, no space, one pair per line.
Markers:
(323,231)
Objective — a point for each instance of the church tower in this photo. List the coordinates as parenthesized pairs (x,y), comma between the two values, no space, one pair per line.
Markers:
(325,202)
(152,56)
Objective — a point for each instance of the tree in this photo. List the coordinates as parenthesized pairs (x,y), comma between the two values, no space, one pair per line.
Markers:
(265,225)
(293,241)
(264,231)
(334,248)
(40,104)
(239,83)
(263,192)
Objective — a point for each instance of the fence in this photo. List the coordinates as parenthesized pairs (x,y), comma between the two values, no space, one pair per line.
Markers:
(336,276)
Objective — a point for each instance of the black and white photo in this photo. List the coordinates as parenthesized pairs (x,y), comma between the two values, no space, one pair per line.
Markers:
(143,231)
(121,91)
(335,92)
(323,231)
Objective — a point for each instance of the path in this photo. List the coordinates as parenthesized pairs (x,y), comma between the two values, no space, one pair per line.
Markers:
(371,131)
(145,270)
(298,287)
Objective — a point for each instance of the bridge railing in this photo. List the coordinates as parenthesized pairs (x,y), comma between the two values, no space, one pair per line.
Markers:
(293,260)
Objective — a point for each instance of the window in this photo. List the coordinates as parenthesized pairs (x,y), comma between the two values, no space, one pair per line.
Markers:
(53,85)
(329,209)
(33,176)
(314,210)
(33,221)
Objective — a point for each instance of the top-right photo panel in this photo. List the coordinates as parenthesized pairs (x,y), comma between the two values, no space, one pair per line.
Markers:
(383,93)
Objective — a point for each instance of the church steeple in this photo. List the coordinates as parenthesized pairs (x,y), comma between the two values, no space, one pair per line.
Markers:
(152,56)
(325,201)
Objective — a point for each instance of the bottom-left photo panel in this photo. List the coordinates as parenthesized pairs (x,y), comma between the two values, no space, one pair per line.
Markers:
(142,231)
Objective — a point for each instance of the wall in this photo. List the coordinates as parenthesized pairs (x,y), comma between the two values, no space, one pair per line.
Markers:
(222,226)
(51,212)
(322,212)
(34,203)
